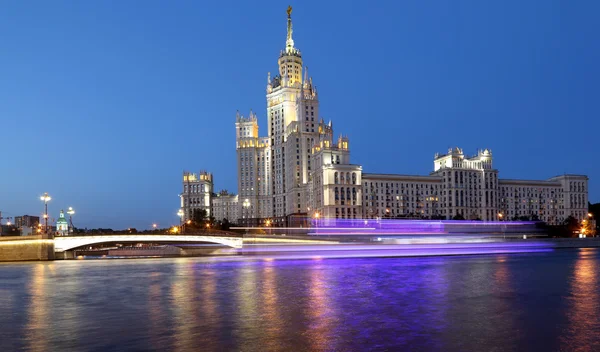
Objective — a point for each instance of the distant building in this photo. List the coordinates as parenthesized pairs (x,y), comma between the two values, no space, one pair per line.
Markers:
(26,221)
(62,225)
(226,206)
(197,193)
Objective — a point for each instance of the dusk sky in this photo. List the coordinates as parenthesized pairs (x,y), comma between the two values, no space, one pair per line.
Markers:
(103,104)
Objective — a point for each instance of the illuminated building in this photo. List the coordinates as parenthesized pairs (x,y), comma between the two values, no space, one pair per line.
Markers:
(197,193)
(469,187)
(275,172)
(301,171)
(226,206)
(62,225)
(254,170)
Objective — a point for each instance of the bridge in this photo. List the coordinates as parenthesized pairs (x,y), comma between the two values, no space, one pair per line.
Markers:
(65,243)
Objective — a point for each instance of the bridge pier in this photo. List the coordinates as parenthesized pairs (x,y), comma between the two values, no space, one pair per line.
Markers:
(64,255)
(21,248)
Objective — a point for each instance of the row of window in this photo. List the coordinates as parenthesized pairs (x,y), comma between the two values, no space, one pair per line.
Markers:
(195,188)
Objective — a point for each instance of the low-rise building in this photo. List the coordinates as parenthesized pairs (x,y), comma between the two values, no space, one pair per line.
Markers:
(226,206)
(468,187)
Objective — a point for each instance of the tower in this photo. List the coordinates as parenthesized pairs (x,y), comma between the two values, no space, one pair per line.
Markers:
(197,194)
(275,172)
(254,171)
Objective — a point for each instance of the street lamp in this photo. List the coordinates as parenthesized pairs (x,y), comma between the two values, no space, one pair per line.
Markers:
(500,216)
(154,226)
(71,212)
(46,198)
(246,205)
(180,214)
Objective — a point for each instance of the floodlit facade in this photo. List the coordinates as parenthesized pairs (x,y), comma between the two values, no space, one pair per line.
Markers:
(197,193)
(275,173)
(469,187)
(62,226)
(301,171)
(254,160)
(226,206)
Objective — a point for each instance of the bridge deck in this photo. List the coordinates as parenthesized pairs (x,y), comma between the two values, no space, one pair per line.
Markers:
(65,243)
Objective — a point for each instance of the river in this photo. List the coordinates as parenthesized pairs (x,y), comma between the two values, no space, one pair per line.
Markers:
(497,302)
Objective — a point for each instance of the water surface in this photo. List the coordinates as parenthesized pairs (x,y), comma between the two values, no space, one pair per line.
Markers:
(515,302)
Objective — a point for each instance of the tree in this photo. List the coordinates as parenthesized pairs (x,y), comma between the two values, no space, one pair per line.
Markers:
(199,215)
(225,224)
(458,217)
(572,225)
(587,227)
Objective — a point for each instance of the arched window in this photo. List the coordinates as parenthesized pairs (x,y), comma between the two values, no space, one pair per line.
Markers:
(335,178)
(347,177)
(354,178)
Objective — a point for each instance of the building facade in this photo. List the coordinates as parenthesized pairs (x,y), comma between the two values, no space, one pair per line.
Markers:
(26,221)
(468,187)
(275,173)
(62,225)
(196,193)
(225,206)
(254,170)
(301,170)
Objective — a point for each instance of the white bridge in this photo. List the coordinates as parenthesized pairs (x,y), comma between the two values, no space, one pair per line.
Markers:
(66,243)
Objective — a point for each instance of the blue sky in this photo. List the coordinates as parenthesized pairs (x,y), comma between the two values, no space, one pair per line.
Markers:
(103,104)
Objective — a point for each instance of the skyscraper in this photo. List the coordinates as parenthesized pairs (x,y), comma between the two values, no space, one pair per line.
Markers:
(275,172)
(301,170)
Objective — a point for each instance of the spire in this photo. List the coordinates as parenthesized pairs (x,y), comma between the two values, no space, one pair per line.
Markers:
(289,43)
(305,83)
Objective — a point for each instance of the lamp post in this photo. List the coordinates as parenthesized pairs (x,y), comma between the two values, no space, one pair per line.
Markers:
(180,214)
(71,212)
(154,226)
(46,198)
(246,205)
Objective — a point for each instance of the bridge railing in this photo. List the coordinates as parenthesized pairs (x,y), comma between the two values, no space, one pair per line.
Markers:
(215,233)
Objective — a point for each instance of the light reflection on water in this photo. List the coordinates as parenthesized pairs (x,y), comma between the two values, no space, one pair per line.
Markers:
(583,305)
(542,301)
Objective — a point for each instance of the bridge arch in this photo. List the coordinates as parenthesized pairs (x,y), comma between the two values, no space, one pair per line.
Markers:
(66,243)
